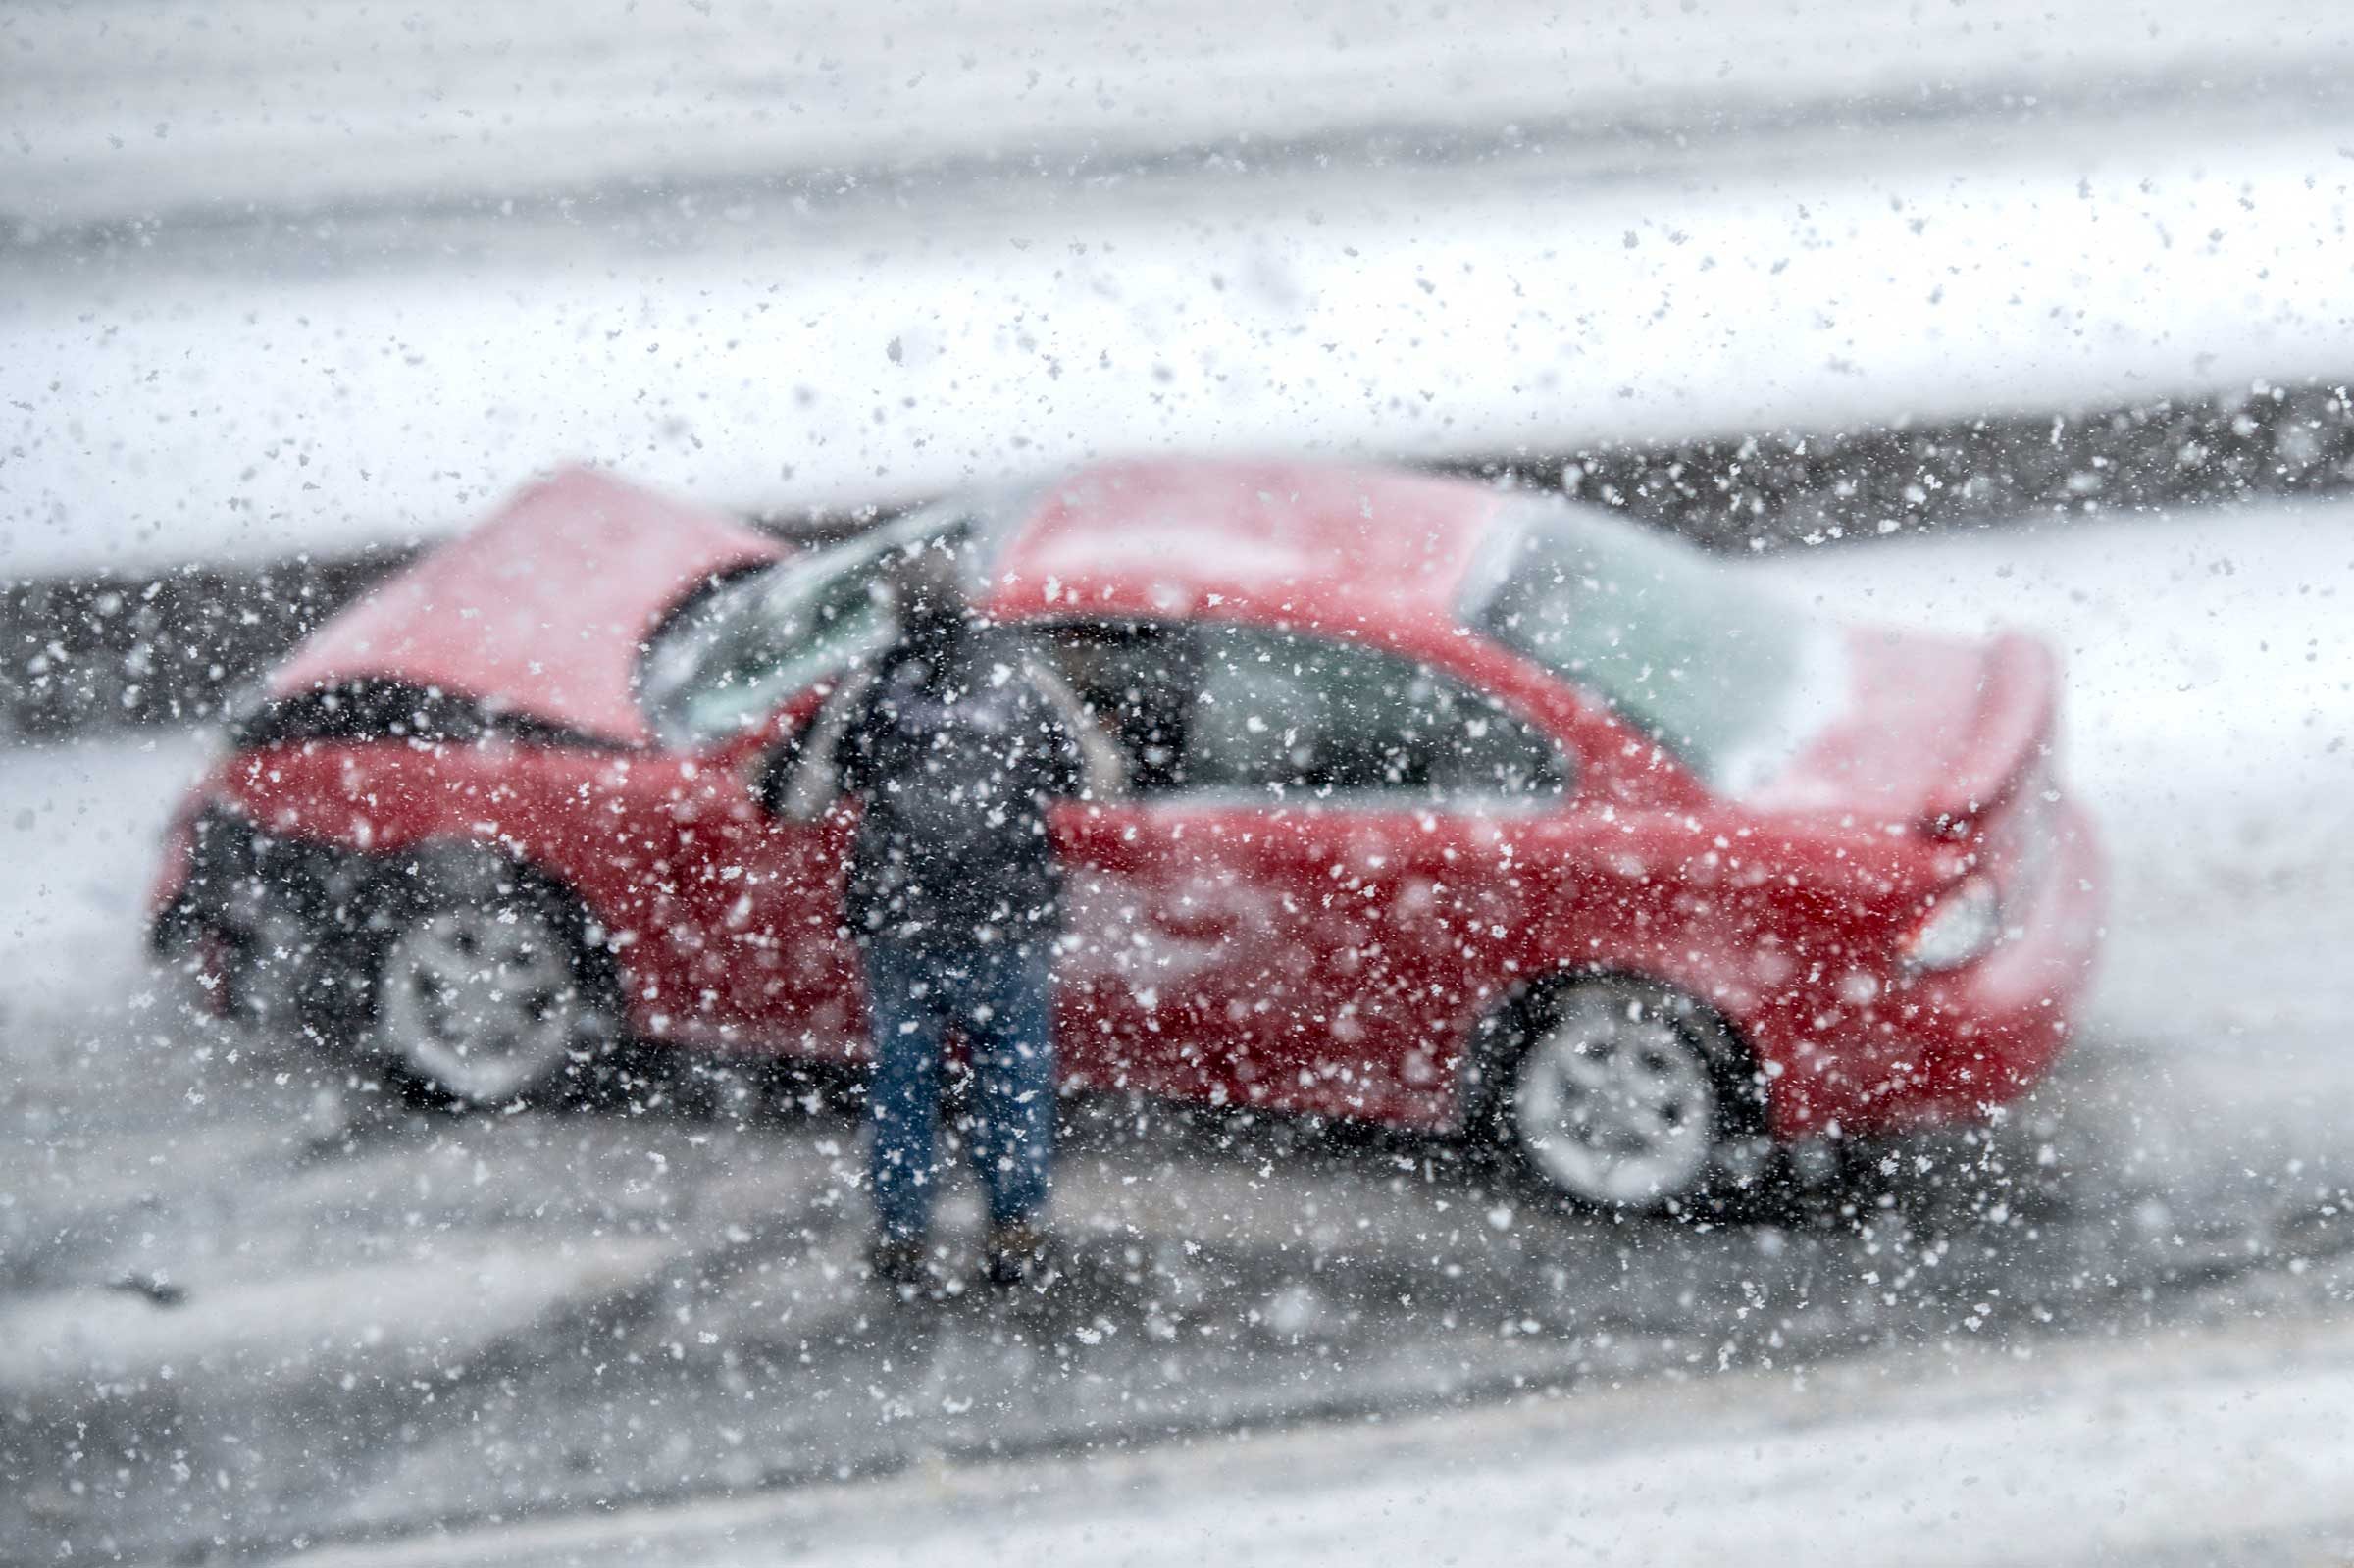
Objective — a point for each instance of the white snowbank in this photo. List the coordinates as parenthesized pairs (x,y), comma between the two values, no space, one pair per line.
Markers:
(2007,1469)
(82,826)
(170,416)
(144,106)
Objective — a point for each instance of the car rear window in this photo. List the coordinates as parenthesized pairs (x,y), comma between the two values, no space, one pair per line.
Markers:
(1669,639)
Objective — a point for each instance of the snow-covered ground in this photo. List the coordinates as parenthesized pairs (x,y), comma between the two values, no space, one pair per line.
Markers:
(83,825)
(1764,247)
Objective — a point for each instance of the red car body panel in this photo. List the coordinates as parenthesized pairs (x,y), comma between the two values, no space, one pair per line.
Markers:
(540,609)
(1938,729)
(1324,958)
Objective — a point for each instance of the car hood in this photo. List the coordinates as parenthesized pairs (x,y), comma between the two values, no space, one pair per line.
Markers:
(1936,730)
(538,612)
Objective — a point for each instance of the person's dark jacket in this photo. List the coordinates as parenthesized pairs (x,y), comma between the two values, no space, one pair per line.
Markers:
(954,754)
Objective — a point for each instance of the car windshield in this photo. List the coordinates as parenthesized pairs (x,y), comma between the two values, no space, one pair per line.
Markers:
(1727,677)
(729,661)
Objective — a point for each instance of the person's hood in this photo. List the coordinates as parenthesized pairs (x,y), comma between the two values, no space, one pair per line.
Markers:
(540,611)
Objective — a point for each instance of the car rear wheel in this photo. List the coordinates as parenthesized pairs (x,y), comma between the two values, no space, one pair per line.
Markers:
(264,935)
(1626,1096)
(486,999)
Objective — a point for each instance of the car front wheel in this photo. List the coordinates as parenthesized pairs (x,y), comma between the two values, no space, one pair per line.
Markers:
(1624,1097)
(485,999)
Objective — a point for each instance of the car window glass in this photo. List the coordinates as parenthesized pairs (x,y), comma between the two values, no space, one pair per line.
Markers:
(1293,716)
(1212,707)
(1726,674)
(728,663)
(1137,682)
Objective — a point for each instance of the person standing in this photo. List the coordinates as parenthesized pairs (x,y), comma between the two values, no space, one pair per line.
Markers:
(954,897)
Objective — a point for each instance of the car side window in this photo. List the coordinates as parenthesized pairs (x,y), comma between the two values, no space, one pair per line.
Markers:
(1137,682)
(1291,716)
(725,665)
(1208,707)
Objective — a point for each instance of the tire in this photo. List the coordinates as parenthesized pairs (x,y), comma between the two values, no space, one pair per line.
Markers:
(269,932)
(1623,1096)
(482,987)
(267,967)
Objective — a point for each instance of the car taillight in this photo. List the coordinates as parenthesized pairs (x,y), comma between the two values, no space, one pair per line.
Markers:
(1963,924)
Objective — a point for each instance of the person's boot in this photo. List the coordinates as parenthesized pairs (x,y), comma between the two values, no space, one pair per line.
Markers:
(1020,1254)
(902,1262)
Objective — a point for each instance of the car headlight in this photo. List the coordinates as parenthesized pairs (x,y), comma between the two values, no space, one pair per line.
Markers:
(1965,924)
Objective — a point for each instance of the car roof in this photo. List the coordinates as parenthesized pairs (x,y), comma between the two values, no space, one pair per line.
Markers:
(1146,537)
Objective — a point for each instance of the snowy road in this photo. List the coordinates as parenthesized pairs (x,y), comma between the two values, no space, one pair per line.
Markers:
(2186,1449)
(530,1315)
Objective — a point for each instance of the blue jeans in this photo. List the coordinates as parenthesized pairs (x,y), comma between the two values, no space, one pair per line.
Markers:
(1001,999)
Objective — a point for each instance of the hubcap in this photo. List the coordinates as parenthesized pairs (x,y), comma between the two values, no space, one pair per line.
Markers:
(1616,1104)
(479,1001)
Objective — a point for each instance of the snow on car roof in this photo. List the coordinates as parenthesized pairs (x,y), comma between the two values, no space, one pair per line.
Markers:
(1165,537)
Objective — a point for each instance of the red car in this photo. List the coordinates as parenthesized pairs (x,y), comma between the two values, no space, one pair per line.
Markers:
(1413,801)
